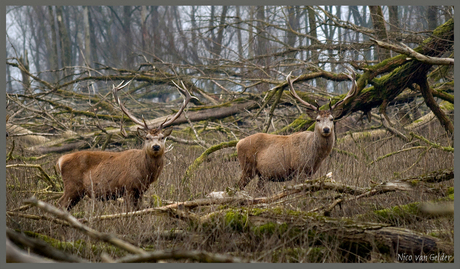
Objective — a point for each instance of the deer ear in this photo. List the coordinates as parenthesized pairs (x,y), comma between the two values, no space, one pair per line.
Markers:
(141,132)
(167,131)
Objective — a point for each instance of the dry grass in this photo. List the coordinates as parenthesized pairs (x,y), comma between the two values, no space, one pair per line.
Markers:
(219,172)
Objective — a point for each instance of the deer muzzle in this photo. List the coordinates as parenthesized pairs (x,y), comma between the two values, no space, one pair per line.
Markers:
(156,147)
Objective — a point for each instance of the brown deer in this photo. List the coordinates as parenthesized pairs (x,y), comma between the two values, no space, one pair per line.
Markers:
(109,175)
(281,157)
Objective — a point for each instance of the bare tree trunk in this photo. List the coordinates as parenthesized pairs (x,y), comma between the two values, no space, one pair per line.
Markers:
(381,32)
(262,46)
(64,41)
(87,35)
(144,32)
(313,32)
(155,24)
(92,37)
(431,16)
(238,33)
(54,50)
(128,37)
(431,103)
(217,41)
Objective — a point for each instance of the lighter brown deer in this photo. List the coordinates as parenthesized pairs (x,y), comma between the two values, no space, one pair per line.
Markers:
(109,175)
(282,157)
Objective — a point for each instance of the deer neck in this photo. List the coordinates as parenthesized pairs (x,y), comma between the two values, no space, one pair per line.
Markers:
(322,145)
(152,164)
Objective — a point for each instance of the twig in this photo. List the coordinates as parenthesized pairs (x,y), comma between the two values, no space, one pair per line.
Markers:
(39,167)
(404,49)
(393,130)
(199,256)
(25,207)
(434,145)
(203,156)
(109,238)
(272,109)
(199,140)
(394,153)
(36,217)
(418,159)
(42,248)
(379,189)
(10,154)
(15,254)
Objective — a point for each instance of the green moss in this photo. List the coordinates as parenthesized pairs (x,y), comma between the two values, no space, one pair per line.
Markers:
(450,190)
(398,213)
(268,229)
(156,200)
(447,106)
(299,124)
(316,254)
(78,246)
(238,221)
(79,215)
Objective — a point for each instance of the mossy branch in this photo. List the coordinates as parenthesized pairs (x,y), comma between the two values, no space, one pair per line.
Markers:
(109,238)
(434,145)
(203,156)
(394,153)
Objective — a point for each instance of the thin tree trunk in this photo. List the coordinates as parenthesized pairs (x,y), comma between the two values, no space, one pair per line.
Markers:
(87,32)
(64,41)
(54,50)
(381,32)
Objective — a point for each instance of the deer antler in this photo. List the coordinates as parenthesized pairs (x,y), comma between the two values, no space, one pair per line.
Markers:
(166,123)
(187,99)
(353,91)
(294,94)
(123,108)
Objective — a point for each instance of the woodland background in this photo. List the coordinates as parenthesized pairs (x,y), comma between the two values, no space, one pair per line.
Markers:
(390,196)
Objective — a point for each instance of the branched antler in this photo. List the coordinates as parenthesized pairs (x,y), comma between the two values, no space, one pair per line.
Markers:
(183,90)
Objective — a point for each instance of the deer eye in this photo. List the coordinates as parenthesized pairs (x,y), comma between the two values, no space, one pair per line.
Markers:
(317,120)
(147,138)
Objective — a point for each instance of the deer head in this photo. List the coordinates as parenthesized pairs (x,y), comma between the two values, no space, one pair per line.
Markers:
(154,138)
(324,118)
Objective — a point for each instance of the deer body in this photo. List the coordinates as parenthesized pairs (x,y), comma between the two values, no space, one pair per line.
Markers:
(280,158)
(109,175)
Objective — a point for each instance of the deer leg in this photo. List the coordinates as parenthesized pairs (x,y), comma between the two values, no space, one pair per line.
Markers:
(244,180)
(70,199)
(247,172)
(134,199)
(261,184)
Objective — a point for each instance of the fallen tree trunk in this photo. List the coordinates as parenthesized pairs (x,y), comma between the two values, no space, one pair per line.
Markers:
(217,112)
(365,236)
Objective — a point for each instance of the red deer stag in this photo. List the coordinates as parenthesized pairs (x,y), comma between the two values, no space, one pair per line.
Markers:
(281,157)
(109,175)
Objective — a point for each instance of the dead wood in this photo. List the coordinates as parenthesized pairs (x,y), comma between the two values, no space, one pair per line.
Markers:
(198,256)
(16,255)
(87,230)
(40,247)
(432,177)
